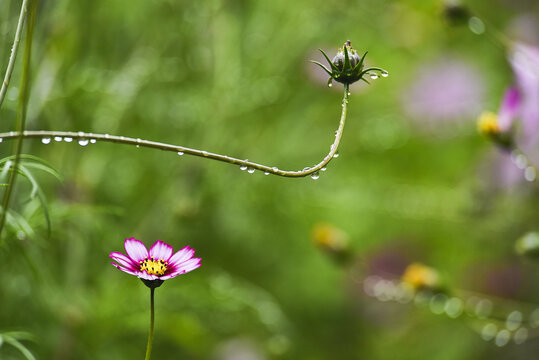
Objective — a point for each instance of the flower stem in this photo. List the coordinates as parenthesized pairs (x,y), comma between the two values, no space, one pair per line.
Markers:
(150,334)
(14,50)
(189,151)
(22,107)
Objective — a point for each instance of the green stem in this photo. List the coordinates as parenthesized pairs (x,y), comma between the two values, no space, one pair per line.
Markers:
(85,137)
(14,50)
(150,334)
(21,111)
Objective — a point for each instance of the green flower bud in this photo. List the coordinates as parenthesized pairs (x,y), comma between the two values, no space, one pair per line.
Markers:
(347,66)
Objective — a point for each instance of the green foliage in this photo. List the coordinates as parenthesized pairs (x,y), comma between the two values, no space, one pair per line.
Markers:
(233,77)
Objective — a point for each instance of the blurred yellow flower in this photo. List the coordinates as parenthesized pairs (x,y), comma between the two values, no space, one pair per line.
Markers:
(487,124)
(419,276)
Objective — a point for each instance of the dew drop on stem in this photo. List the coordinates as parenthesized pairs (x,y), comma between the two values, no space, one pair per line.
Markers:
(180,153)
(46,140)
(57,138)
(374,76)
(323,169)
(93,141)
(385,74)
(315,175)
(251,170)
(243,167)
(336,155)
(68,139)
(83,142)
(266,173)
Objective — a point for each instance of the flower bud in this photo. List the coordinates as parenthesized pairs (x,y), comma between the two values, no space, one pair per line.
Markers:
(528,245)
(421,277)
(488,126)
(332,241)
(347,66)
(353,57)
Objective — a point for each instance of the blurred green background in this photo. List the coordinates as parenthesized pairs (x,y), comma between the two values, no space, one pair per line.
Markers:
(413,182)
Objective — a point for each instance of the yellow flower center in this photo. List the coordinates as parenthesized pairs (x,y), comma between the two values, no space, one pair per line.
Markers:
(154,267)
(487,124)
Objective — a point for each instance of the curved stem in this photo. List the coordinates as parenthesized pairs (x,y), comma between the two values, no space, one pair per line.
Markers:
(150,334)
(84,137)
(14,50)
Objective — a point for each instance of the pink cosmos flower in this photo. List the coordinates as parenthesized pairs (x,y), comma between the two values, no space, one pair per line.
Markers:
(156,265)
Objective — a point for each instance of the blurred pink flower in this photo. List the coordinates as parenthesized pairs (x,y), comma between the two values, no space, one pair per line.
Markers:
(156,264)
(443,91)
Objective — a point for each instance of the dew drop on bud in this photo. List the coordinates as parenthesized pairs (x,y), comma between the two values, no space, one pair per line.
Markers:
(46,140)
(83,142)
(315,175)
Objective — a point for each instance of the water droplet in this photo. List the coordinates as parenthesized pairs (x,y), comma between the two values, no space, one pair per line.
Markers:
(453,307)
(384,74)
(1,140)
(374,76)
(502,338)
(489,331)
(243,167)
(306,168)
(93,141)
(46,140)
(336,155)
(437,303)
(330,85)
(476,25)
(483,308)
(57,138)
(251,170)
(520,336)
(349,93)
(530,173)
(83,142)
(68,139)
(534,318)
(204,153)
(520,161)
(180,153)
(275,168)
(138,143)
(514,319)
(107,136)
(266,173)
(323,169)
(315,175)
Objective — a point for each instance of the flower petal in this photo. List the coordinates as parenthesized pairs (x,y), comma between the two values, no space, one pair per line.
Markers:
(135,249)
(124,260)
(161,250)
(131,272)
(183,268)
(509,108)
(145,275)
(182,255)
